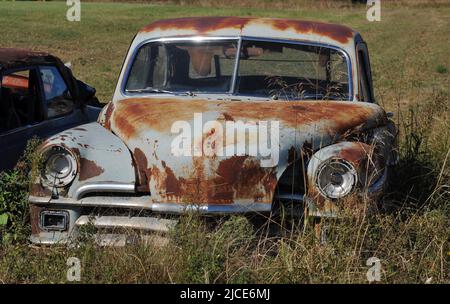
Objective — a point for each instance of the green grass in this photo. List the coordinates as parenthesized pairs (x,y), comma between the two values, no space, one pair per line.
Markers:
(97,45)
(410,60)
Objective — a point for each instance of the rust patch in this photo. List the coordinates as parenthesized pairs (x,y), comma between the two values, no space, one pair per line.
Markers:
(336,32)
(236,178)
(228,117)
(38,190)
(204,25)
(173,185)
(336,116)
(133,115)
(229,168)
(76,151)
(14,54)
(108,113)
(314,194)
(34,219)
(142,165)
(357,154)
(89,169)
(201,25)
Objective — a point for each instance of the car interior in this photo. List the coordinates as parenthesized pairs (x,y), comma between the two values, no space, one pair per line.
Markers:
(19,100)
(207,67)
(195,70)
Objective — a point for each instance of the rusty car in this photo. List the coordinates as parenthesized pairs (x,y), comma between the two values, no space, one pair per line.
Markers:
(222,115)
(40,97)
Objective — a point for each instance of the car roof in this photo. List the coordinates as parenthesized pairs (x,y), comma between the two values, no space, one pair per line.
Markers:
(251,26)
(12,58)
(15,57)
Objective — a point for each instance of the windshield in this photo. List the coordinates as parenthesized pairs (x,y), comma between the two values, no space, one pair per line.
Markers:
(205,66)
(267,69)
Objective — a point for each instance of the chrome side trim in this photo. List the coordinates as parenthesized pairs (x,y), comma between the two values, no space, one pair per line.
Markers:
(103,187)
(50,238)
(211,209)
(140,223)
(292,197)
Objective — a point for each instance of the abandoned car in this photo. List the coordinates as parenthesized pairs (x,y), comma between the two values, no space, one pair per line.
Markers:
(38,97)
(221,115)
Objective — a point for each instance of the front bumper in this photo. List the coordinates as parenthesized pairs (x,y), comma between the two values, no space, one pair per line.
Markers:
(41,235)
(78,218)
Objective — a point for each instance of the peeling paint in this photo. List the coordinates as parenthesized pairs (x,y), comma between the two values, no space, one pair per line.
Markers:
(89,169)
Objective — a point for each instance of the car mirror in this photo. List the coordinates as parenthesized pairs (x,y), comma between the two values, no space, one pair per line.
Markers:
(86,91)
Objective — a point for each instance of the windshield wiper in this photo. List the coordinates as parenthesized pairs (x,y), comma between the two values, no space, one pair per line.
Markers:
(149,90)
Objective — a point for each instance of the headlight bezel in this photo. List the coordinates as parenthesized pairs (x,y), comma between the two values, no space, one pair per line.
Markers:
(57,157)
(350,179)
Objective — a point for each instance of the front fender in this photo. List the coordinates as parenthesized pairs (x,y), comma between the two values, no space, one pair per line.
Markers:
(104,162)
(370,166)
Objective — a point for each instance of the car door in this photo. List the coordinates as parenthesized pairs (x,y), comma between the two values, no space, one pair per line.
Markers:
(20,112)
(42,105)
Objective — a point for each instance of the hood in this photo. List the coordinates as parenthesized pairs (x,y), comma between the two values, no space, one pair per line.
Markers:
(209,151)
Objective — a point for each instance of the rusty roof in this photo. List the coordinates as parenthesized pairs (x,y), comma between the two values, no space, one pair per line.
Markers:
(250,25)
(10,57)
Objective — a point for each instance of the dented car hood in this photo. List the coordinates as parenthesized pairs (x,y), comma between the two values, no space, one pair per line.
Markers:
(184,150)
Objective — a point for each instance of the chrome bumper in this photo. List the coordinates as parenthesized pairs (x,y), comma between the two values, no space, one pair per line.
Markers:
(145,203)
(163,225)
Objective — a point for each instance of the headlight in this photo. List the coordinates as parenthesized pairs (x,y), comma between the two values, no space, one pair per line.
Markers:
(60,167)
(336,178)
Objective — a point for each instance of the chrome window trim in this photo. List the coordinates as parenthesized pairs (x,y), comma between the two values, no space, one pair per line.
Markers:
(240,39)
(236,68)
(167,39)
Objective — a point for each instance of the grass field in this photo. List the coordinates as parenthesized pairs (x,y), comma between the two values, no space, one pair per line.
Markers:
(410,57)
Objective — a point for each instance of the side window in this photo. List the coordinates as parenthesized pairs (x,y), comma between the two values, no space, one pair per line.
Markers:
(148,69)
(57,95)
(365,80)
(19,99)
